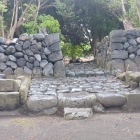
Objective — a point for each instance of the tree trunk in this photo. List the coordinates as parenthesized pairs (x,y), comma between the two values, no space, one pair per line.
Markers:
(93,45)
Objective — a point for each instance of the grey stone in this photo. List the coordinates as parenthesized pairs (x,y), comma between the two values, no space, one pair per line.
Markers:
(118,39)
(36,64)
(26,45)
(2,41)
(43,56)
(39,45)
(27,70)
(10,50)
(138,40)
(37,71)
(34,49)
(77,113)
(51,39)
(21,43)
(131,65)
(38,57)
(48,69)
(11,64)
(19,55)
(126,45)
(26,57)
(55,56)
(43,63)
(137,61)
(31,59)
(134,85)
(132,33)
(98,108)
(21,62)
(132,56)
(43,30)
(132,42)
(2,76)
(14,41)
(59,69)
(39,37)
(117,65)
(12,58)
(29,65)
(138,52)
(2,50)
(55,47)
(111,100)
(132,49)
(24,37)
(19,71)
(39,103)
(47,51)
(116,46)
(8,71)
(121,54)
(70,74)
(3,58)
(18,47)
(29,52)
(2,66)
(117,33)
(50,111)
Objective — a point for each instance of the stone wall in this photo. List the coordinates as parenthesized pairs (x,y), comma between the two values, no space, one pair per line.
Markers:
(120,51)
(38,54)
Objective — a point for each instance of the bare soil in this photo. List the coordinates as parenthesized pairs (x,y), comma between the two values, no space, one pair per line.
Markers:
(115,126)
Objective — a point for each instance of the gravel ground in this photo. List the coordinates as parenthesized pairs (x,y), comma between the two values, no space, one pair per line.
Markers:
(118,126)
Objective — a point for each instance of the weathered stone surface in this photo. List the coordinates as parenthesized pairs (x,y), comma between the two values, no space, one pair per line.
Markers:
(126,45)
(135,76)
(39,103)
(131,65)
(38,57)
(119,39)
(134,85)
(132,49)
(29,65)
(19,55)
(70,74)
(43,63)
(39,37)
(98,108)
(55,47)
(132,56)
(2,50)
(121,54)
(48,69)
(55,56)
(3,57)
(29,52)
(138,52)
(37,71)
(77,113)
(10,50)
(117,65)
(132,42)
(59,69)
(2,66)
(8,71)
(27,70)
(111,100)
(26,45)
(9,100)
(121,76)
(2,76)
(76,99)
(138,40)
(18,47)
(21,62)
(47,51)
(26,57)
(19,71)
(50,111)
(51,39)
(36,64)
(14,41)
(12,58)
(117,33)
(132,33)
(137,61)
(11,64)
(6,85)
(24,37)
(39,45)
(116,46)
(34,49)
(2,41)
(133,102)
(17,84)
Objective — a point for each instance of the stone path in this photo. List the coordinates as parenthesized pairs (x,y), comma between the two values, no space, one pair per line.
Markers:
(50,96)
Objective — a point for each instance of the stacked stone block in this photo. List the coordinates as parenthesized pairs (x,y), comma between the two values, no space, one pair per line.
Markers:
(38,54)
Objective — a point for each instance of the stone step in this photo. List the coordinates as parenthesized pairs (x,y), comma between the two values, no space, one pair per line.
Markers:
(77,113)
(9,100)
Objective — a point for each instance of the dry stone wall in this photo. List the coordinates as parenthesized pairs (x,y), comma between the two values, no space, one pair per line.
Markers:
(120,51)
(38,54)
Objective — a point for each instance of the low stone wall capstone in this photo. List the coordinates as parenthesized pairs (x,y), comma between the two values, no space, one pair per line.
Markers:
(120,51)
(38,54)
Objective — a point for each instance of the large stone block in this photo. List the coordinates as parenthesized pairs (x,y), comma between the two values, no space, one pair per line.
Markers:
(56,56)
(59,69)
(119,54)
(77,113)
(117,33)
(6,85)
(137,61)
(118,39)
(51,39)
(48,69)
(111,100)
(116,46)
(131,65)
(55,47)
(37,103)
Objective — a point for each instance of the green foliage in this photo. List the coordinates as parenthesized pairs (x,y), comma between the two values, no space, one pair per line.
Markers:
(51,24)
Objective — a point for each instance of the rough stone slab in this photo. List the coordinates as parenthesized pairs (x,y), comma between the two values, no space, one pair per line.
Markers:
(9,100)
(117,33)
(76,99)
(133,102)
(77,113)
(56,56)
(111,100)
(119,54)
(6,85)
(118,39)
(37,103)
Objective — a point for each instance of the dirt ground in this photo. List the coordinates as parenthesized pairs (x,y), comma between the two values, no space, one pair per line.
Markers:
(120,126)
